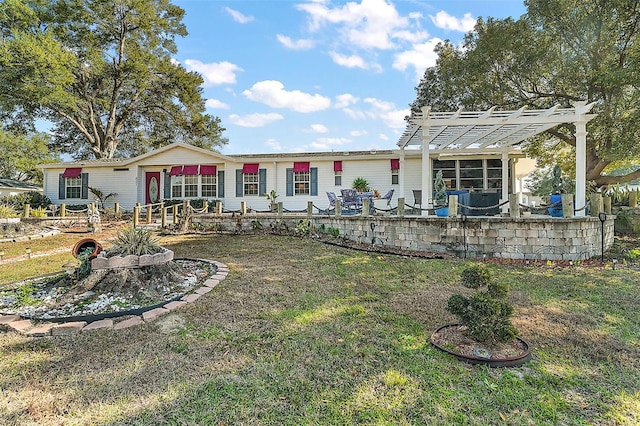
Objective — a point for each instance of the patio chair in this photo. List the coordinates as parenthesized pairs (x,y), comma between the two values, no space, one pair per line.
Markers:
(349,198)
(417,198)
(388,196)
(332,200)
(364,195)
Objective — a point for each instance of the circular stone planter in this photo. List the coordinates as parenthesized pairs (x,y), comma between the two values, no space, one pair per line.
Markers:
(512,361)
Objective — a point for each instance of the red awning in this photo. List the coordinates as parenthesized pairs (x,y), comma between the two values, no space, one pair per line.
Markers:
(250,167)
(190,170)
(337,166)
(301,166)
(72,172)
(175,171)
(206,170)
(395,164)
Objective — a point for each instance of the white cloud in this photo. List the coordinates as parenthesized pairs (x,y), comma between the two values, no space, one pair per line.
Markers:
(354,113)
(421,57)
(367,24)
(353,61)
(328,143)
(215,104)
(346,99)
(273,144)
(448,22)
(214,73)
(301,44)
(319,128)
(387,112)
(273,94)
(358,133)
(239,17)
(254,120)
(383,137)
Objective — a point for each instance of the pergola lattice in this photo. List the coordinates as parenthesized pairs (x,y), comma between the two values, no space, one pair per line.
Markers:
(482,131)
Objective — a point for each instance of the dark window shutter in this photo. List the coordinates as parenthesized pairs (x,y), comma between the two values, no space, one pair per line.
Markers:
(167,185)
(84,192)
(289,182)
(221,184)
(239,191)
(314,180)
(62,193)
(262,181)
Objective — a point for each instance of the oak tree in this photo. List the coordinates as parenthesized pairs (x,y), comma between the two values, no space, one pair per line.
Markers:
(101,71)
(559,52)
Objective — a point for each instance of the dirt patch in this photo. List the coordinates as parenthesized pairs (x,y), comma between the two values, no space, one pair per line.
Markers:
(456,340)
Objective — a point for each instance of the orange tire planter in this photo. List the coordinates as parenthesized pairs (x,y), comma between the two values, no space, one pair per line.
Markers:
(84,244)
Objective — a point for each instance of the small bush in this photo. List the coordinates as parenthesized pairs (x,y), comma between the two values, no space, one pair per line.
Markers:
(7,210)
(135,241)
(485,314)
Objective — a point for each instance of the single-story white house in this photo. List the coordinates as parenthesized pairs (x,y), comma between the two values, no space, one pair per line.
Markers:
(182,171)
(478,151)
(14,187)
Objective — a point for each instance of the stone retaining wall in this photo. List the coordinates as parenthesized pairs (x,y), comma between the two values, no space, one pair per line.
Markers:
(533,237)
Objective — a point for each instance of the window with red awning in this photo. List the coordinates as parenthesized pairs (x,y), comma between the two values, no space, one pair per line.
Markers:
(395,164)
(175,171)
(337,166)
(301,166)
(72,172)
(250,168)
(190,170)
(207,170)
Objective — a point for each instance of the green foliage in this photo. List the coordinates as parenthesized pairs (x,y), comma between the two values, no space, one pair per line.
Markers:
(441,190)
(303,227)
(547,181)
(24,295)
(103,73)
(256,225)
(20,155)
(101,196)
(271,196)
(360,184)
(85,263)
(485,314)
(39,212)
(7,211)
(135,241)
(33,198)
(555,54)
(620,194)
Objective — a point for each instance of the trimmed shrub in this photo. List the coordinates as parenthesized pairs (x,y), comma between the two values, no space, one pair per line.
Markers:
(485,313)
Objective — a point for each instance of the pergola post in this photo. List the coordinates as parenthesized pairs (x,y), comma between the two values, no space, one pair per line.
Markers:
(581,156)
(427,181)
(505,181)
(401,174)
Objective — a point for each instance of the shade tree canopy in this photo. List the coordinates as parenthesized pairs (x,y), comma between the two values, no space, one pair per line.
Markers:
(21,154)
(559,52)
(101,71)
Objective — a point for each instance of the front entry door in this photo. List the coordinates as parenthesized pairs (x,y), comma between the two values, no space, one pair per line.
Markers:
(153,187)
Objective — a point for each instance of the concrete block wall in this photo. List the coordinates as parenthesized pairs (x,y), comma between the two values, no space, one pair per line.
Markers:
(543,238)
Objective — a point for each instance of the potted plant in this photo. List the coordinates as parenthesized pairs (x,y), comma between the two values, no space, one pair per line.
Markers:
(360,184)
(484,333)
(271,196)
(440,199)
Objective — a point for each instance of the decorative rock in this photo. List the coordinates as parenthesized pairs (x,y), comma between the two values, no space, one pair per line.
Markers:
(20,326)
(211,282)
(153,314)
(190,298)
(98,325)
(133,321)
(203,290)
(68,328)
(41,330)
(174,305)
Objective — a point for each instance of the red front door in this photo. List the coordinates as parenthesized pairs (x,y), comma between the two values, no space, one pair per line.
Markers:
(153,187)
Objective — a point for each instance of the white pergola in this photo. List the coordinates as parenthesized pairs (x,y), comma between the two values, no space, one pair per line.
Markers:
(465,132)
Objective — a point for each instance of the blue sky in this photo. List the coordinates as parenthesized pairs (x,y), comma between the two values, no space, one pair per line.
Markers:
(306,76)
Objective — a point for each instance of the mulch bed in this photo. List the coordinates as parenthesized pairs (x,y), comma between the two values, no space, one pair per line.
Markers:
(454,339)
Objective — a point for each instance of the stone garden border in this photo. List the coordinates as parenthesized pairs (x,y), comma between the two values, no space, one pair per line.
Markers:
(30,328)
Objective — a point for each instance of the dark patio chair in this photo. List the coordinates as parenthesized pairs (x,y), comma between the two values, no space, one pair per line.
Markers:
(349,198)
(332,200)
(388,196)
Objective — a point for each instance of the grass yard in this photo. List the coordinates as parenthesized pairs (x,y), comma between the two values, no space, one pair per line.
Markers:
(302,333)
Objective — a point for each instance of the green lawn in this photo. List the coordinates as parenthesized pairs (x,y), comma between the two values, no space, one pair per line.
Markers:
(305,333)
